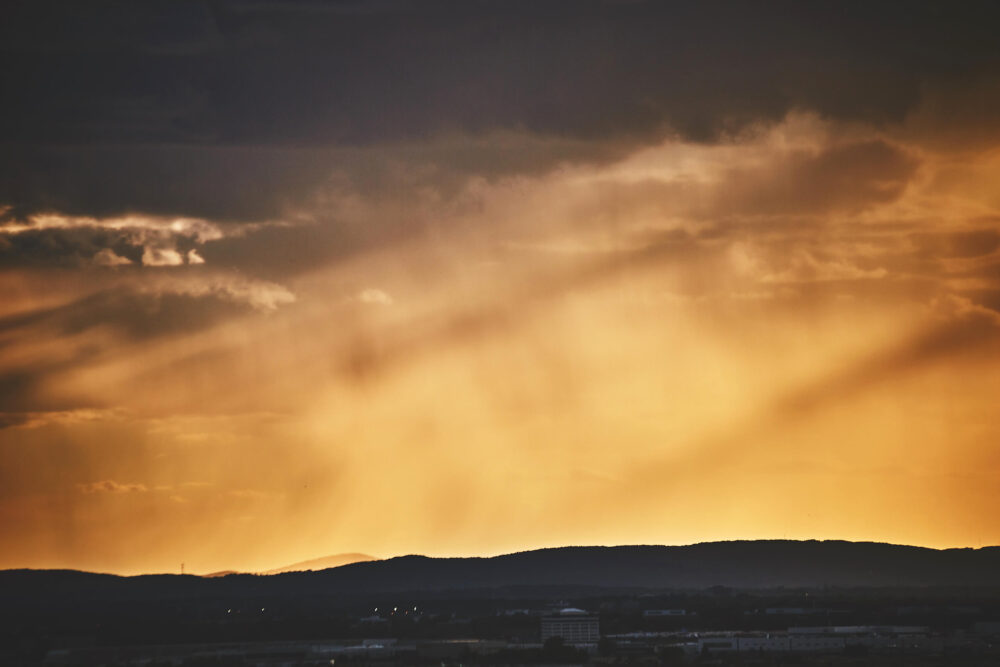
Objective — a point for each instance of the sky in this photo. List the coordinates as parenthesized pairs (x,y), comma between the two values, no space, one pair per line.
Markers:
(287,279)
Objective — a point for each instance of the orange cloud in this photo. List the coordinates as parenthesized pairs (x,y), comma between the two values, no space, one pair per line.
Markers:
(111,486)
(790,331)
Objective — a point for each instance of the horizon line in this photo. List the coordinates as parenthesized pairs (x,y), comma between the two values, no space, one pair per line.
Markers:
(269,572)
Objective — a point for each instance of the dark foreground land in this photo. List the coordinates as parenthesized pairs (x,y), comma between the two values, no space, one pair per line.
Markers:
(809,603)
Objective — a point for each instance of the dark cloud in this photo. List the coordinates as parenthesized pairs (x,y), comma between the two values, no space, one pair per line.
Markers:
(9,419)
(960,113)
(113,106)
(964,244)
(852,176)
(137,315)
(276,252)
(17,392)
(65,247)
(988,298)
(220,183)
(988,291)
(22,391)
(134,316)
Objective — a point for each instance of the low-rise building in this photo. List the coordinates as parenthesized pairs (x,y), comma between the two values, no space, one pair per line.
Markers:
(574,626)
(653,613)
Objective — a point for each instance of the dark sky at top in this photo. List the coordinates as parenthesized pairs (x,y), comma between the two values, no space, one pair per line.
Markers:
(222,109)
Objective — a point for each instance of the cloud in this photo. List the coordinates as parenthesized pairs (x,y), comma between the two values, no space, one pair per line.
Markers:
(804,267)
(962,244)
(66,418)
(9,419)
(62,248)
(249,494)
(41,344)
(231,184)
(259,294)
(111,486)
(161,257)
(374,295)
(847,176)
(107,257)
(60,240)
(86,135)
(801,210)
(135,313)
(200,230)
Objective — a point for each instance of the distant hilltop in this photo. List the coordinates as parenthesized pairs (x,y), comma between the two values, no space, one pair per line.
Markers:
(742,564)
(735,564)
(323,563)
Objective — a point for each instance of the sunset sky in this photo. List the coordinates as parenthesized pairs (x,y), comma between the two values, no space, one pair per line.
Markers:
(280,280)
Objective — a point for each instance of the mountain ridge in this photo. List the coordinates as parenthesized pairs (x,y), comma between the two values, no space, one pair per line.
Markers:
(311,565)
(736,564)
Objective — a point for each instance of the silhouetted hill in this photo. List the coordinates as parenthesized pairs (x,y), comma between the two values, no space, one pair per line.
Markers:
(751,564)
(754,564)
(323,563)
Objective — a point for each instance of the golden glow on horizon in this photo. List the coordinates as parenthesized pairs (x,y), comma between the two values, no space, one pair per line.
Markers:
(772,337)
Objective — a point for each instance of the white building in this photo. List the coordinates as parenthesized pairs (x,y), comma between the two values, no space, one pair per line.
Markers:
(575,626)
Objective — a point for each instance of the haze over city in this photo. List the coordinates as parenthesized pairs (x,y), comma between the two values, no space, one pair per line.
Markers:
(286,280)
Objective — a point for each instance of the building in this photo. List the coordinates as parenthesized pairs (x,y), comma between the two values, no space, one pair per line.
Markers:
(764,643)
(816,643)
(653,613)
(718,644)
(574,626)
